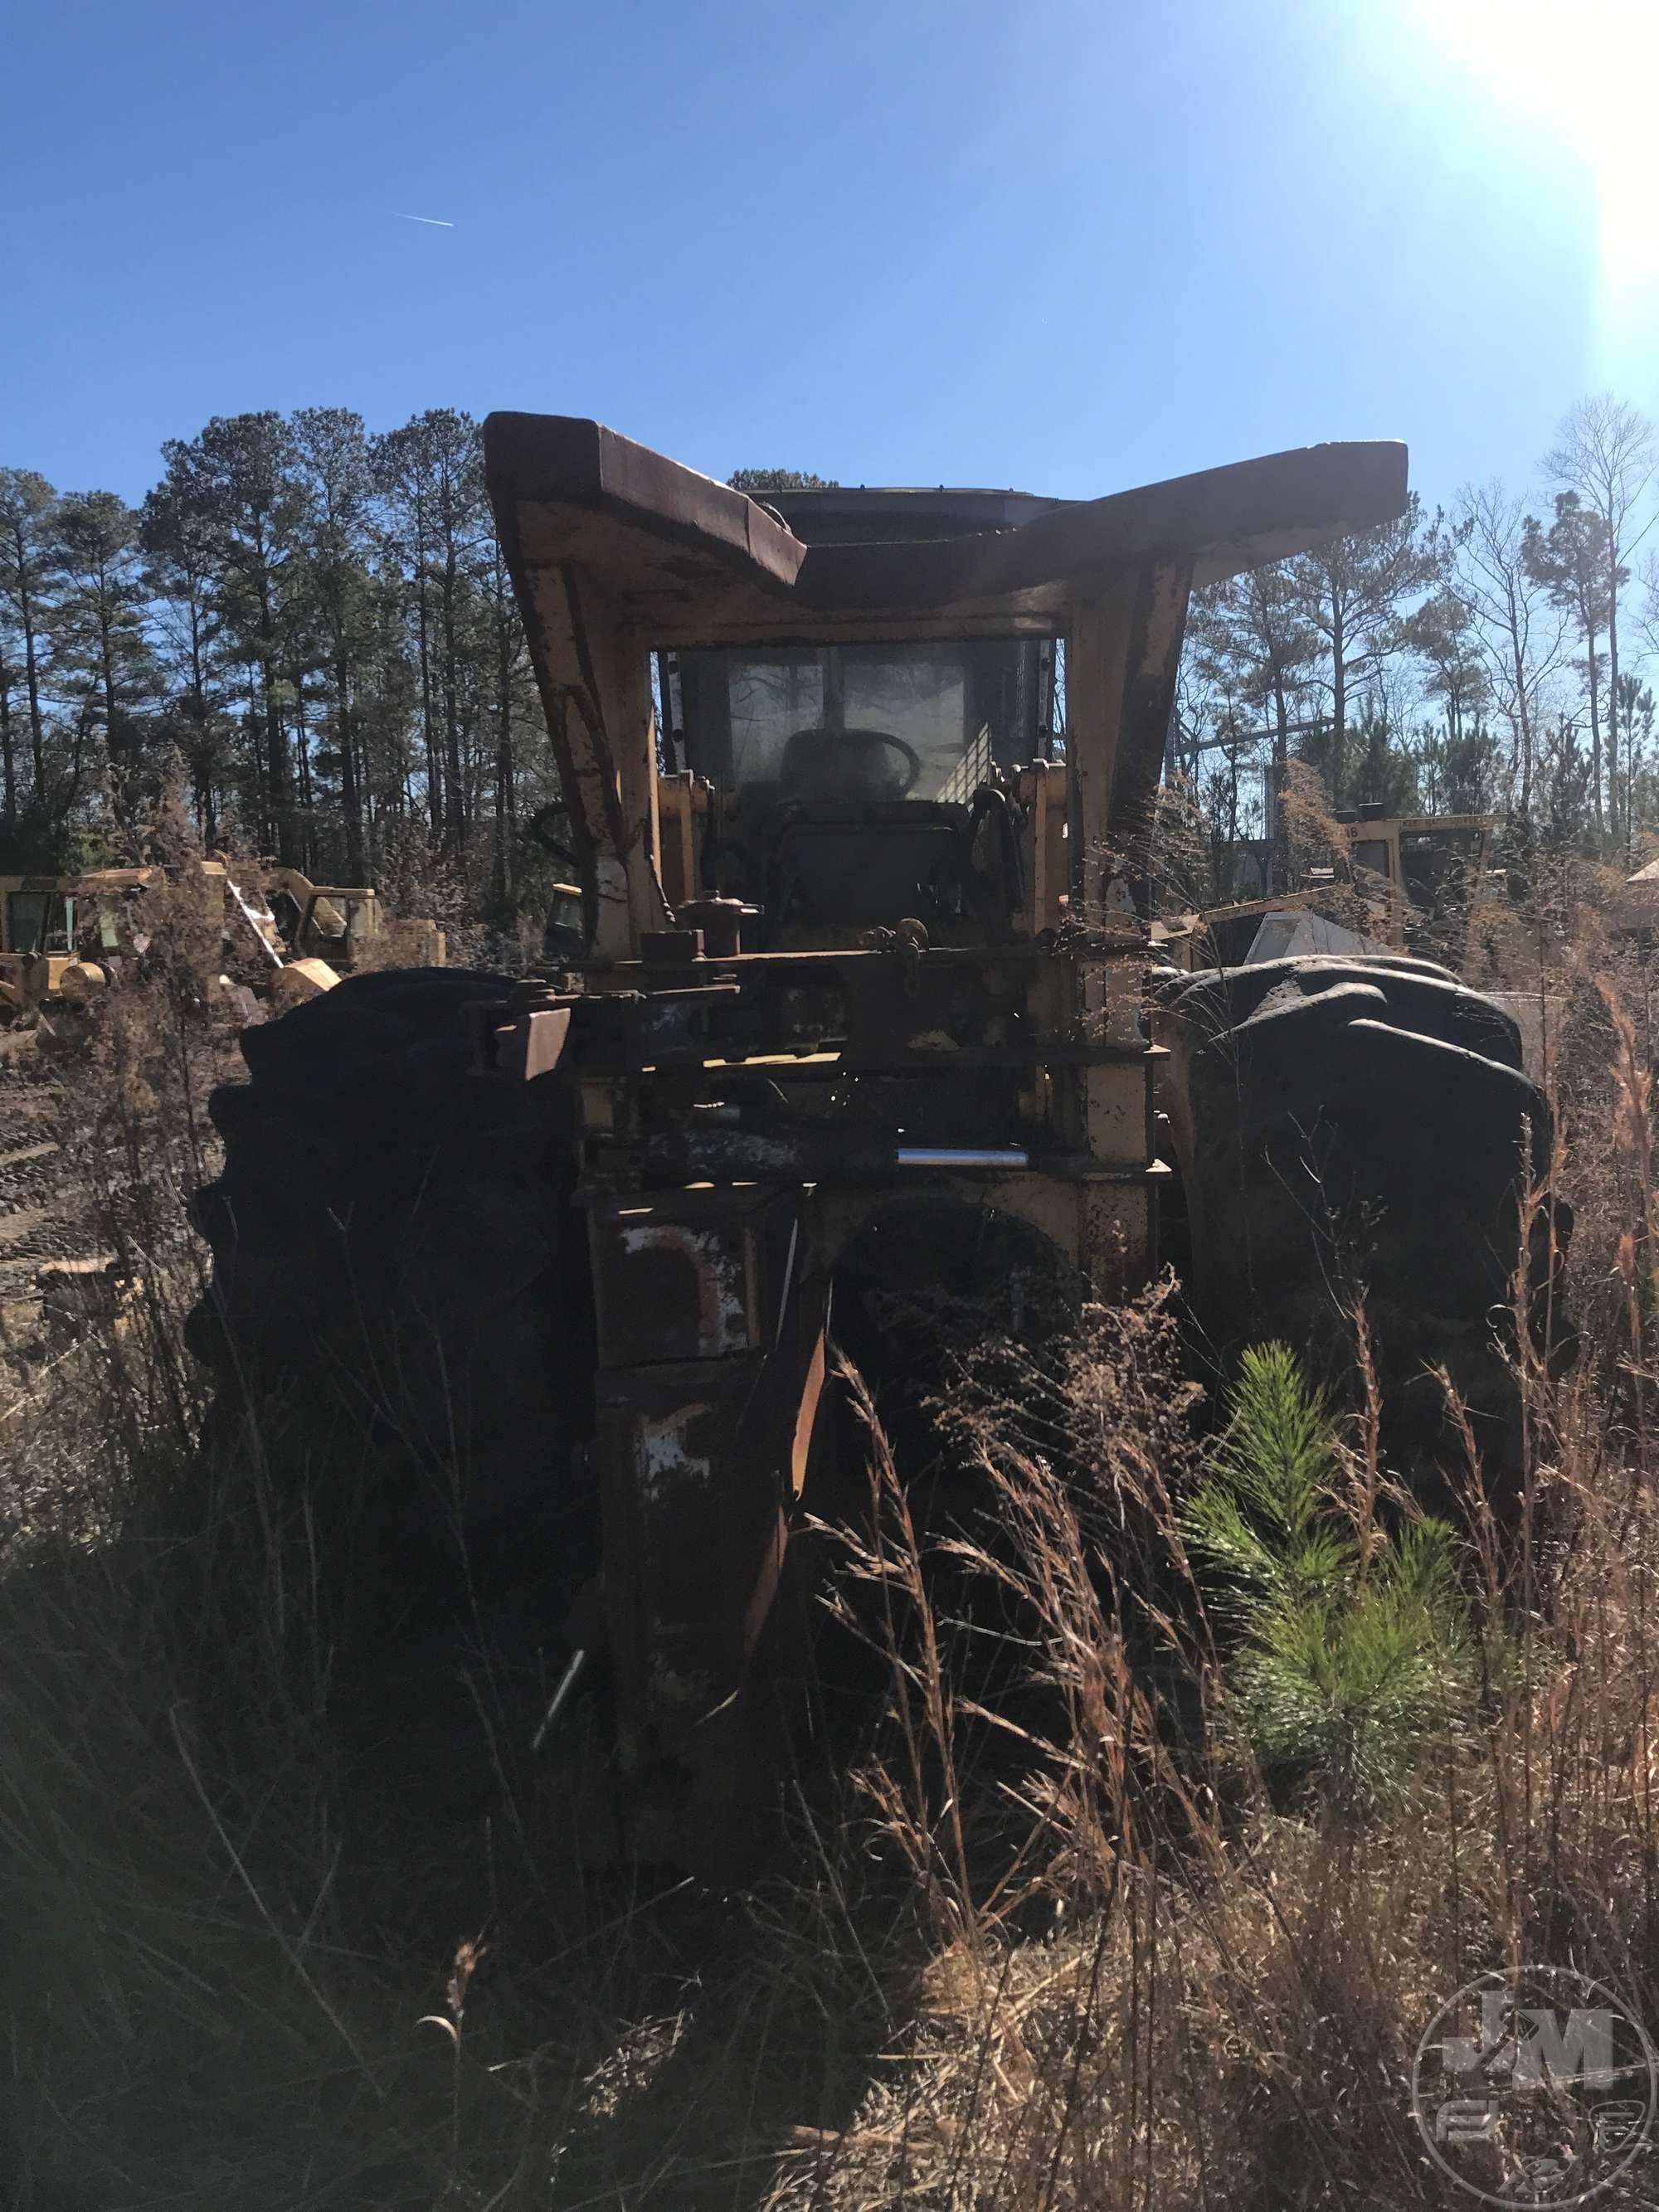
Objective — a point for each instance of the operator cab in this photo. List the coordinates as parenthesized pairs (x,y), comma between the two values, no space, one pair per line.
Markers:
(856,786)
(326,925)
(39,921)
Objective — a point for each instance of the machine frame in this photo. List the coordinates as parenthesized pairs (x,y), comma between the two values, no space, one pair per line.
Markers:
(720,1180)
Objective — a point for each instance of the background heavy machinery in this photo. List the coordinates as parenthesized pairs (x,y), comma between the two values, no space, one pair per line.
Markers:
(1422,865)
(1408,883)
(65,937)
(346,926)
(848,993)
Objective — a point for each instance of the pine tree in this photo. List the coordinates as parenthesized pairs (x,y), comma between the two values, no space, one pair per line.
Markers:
(103,660)
(1442,633)
(431,473)
(1254,634)
(1351,1649)
(237,476)
(332,459)
(188,620)
(1354,593)
(28,503)
(1604,454)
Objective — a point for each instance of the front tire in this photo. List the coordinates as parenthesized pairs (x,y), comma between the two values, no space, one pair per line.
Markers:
(1362,1126)
(398,1319)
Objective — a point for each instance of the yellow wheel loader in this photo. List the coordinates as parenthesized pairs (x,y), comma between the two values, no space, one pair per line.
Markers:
(850,991)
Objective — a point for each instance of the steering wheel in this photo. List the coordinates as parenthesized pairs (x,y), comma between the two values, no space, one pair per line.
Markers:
(845,764)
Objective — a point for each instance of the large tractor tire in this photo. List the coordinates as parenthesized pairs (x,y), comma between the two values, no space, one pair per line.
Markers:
(398,1319)
(1346,1126)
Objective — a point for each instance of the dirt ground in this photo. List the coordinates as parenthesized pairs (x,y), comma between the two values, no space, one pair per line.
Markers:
(48,1222)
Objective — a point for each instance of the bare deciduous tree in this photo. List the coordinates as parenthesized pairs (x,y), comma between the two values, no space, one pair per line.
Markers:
(1604,450)
(1520,631)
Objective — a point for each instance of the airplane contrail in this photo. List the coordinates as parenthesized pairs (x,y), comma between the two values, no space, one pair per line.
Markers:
(436,222)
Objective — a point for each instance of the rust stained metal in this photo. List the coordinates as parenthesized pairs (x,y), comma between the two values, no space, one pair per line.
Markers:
(587,773)
(1123,652)
(720,1265)
(1229,518)
(663,533)
(676,1637)
(744,1116)
(700,1462)
(1157,626)
(658,516)
(585,708)
(668,1288)
(586,517)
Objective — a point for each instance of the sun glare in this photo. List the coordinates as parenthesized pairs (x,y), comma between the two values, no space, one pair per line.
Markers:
(1583,72)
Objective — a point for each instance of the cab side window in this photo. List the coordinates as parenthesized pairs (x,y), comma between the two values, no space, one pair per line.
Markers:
(26,920)
(39,921)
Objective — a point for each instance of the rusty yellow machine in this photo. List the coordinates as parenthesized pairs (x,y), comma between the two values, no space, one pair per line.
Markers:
(64,937)
(856,791)
(37,940)
(1406,883)
(347,926)
(1417,860)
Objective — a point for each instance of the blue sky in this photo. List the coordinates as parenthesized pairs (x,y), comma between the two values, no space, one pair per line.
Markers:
(1068,246)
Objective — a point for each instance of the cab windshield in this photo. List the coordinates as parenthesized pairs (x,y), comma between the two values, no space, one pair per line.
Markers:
(926,722)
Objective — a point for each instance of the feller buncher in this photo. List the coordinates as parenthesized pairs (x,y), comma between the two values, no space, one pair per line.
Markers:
(855,981)
(64,938)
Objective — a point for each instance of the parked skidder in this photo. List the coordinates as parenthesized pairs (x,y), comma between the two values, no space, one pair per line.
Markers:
(854,965)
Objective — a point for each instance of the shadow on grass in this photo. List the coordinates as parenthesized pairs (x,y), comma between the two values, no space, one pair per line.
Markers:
(245,1961)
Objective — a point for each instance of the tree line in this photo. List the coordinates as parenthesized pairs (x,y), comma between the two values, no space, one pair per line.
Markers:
(315,621)
(1486,657)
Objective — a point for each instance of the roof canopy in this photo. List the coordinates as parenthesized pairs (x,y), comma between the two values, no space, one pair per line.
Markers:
(691,559)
